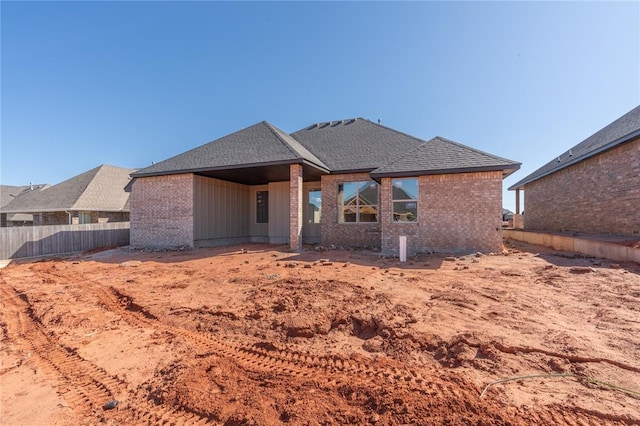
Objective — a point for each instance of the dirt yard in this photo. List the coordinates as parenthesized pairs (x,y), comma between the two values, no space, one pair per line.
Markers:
(252,334)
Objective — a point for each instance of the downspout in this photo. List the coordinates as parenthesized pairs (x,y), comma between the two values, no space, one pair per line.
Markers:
(69,213)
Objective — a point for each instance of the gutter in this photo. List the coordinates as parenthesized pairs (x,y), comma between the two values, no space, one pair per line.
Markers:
(619,141)
(512,169)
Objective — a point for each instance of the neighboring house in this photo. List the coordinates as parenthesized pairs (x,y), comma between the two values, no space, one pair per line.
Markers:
(593,187)
(507,218)
(8,193)
(370,183)
(98,195)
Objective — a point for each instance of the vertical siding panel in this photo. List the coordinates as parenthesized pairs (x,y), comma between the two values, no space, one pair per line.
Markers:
(273,198)
(197,206)
(221,209)
(215,199)
(279,210)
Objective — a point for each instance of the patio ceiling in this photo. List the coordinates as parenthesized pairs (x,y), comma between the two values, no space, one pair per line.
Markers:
(261,175)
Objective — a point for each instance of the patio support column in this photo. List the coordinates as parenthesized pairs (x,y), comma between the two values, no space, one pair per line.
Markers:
(518,219)
(295,221)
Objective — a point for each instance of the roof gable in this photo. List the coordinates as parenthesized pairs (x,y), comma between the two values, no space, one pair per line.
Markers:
(440,155)
(620,131)
(260,143)
(99,189)
(355,144)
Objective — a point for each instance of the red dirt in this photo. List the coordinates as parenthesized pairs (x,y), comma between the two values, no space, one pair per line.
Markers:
(336,337)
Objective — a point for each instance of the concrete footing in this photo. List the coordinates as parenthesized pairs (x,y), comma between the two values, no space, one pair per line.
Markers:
(596,248)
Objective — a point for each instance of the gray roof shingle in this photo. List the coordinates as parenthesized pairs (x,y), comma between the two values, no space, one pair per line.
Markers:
(440,155)
(99,189)
(338,147)
(355,144)
(260,143)
(8,192)
(620,131)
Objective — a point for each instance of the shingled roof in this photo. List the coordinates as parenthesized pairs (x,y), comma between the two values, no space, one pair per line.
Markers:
(343,146)
(8,192)
(620,131)
(259,144)
(440,155)
(355,144)
(99,189)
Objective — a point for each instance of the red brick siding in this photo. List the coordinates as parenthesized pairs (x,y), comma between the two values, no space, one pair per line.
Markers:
(51,218)
(344,234)
(598,195)
(162,211)
(104,217)
(456,213)
(296,201)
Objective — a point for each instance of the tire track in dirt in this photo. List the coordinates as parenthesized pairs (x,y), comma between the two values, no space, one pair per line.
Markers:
(330,369)
(336,370)
(83,385)
(333,371)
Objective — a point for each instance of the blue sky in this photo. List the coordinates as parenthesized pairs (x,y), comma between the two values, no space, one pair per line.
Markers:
(129,83)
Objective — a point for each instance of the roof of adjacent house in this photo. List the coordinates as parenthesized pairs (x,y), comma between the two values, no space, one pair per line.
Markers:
(343,146)
(440,155)
(261,143)
(99,189)
(620,131)
(9,192)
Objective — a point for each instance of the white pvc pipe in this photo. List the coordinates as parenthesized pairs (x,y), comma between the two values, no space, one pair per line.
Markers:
(403,248)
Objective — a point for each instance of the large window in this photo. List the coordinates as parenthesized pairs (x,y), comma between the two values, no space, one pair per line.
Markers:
(84,217)
(262,206)
(404,193)
(358,202)
(315,205)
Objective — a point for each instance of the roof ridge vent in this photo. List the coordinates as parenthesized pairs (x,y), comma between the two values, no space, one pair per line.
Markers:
(313,126)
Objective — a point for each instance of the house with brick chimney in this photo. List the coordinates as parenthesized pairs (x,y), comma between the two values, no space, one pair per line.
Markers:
(350,183)
(592,188)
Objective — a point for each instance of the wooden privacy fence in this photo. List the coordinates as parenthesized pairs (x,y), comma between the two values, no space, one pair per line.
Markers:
(31,241)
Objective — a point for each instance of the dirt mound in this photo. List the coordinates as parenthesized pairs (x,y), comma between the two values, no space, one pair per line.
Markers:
(220,391)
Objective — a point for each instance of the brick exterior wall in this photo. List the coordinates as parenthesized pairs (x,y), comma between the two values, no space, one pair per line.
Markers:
(344,234)
(62,218)
(598,195)
(104,217)
(50,218)
(162,211)
(296,201)
(456,213)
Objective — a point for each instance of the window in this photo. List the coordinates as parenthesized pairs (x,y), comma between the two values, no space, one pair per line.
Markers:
(262,206)
(405,199)
(358,202)
(315,206)
(84,217)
